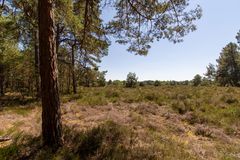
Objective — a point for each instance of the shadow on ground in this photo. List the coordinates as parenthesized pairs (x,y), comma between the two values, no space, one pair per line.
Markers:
(105,141)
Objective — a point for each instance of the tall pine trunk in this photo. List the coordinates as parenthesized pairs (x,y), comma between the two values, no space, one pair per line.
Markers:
(1,65)
(74,84)
(1,80)
(68,79)
(51,116)
(37,80)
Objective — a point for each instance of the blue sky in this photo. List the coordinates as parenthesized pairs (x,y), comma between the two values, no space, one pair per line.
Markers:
(167,61)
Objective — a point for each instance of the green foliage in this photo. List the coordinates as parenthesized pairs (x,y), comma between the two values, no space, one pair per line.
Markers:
(117,83)
(75,26)
(93,101)
(80,32)
(139,24)
(15,100)
(157,83)
(8,152)
(112,93)
(197,80)
(81,37)
(211,72)
(101,79)
(131,80)
(229,66)
(109,82)
(92,77)
(141,84)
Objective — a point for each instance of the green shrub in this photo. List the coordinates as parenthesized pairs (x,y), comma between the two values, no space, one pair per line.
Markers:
(229,99)
(112,94)
(151,96)
(181,107)
(9,152)
(93,101)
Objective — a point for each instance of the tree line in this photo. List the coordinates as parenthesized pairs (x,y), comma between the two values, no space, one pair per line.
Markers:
(80,45)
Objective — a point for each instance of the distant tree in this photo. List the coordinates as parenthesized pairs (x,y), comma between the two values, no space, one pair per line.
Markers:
(172,83)
(206,82)
(228,67)
(109,82)
(141,84)
(8,41)
(186,82)
(211,72)
(157,83)
(101,79)
(92,77)
(131,80)
(197,80)
(28,34)
(149,82)
(123,83)
(117,83)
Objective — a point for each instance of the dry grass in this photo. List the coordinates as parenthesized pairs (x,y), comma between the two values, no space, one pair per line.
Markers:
(140,123)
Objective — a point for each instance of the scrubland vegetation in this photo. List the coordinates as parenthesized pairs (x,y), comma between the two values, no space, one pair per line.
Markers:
(115,122)
(55,103)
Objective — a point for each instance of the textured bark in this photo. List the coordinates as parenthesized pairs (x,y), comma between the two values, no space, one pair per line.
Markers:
(37,80)
(74,84)
(51,116)
(1,80)
(68,80)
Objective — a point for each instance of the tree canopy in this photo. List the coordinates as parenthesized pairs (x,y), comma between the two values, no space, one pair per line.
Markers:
(139,23)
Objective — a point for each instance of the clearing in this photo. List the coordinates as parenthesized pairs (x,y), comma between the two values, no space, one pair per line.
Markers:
(116,123)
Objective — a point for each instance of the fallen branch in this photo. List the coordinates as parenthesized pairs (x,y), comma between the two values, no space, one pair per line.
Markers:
(3,139)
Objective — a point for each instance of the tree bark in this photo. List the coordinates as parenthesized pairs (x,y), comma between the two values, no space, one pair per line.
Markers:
(37,80)
(51,116)
(68,79)
(74,84)
(1,80)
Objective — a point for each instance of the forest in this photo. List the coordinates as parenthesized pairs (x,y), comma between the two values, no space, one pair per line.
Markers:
(57,104)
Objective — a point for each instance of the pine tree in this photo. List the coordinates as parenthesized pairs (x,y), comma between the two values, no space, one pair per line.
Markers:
(51,116)
(228,66)
(131,80)
(211,72)
(197,80)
